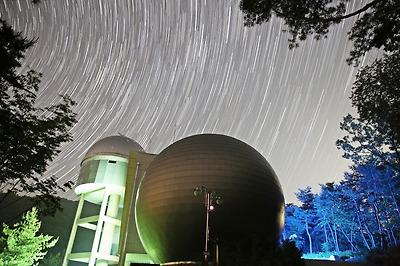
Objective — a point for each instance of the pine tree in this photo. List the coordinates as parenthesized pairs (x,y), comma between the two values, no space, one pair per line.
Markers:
(20,245)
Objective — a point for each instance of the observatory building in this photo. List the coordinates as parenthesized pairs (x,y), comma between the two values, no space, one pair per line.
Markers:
(149,213)
(109,177)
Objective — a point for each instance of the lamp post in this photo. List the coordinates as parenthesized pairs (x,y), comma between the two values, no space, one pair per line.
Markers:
(209,197)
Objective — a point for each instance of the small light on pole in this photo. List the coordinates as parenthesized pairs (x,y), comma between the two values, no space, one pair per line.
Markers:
(209,197)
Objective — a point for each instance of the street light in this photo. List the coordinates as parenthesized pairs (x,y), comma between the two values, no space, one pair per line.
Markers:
(209,198)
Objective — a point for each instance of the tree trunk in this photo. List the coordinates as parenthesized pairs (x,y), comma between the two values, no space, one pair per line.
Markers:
(349,240)
(393,236)
(378,222)
(309,236)
(334,238)
(326,237)
(393,196)
(371,237)
(360,225)
(284,234)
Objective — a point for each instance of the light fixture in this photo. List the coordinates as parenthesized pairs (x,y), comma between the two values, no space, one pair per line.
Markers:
(209,197)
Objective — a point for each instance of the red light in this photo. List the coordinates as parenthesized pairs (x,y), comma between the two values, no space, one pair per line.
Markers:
(211,207)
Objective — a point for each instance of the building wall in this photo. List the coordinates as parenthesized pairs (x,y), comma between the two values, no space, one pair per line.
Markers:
(129,239)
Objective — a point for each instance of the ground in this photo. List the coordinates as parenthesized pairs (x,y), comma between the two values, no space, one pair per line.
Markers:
(333,263)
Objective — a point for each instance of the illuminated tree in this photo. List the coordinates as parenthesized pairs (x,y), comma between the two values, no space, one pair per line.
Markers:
(20,245)
(330,214)
(379,188)
(307,198)
(354,192)
(294,227)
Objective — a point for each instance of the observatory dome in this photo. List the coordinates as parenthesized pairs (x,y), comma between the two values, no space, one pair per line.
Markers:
(105,167)
(113,145)
(171,220)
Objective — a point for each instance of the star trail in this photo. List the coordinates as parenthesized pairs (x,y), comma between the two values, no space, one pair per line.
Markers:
(159,71)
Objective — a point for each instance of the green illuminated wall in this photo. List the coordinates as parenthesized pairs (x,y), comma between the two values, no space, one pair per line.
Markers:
(130,245)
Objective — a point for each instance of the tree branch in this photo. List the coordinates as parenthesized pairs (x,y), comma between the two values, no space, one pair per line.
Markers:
(359,11)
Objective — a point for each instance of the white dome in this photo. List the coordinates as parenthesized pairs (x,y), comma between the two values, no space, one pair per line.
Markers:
(113,145)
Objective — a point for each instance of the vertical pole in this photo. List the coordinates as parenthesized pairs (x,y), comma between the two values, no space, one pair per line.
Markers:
(216,254)
(99,227)
(130,207)
(207,227)
(108,229)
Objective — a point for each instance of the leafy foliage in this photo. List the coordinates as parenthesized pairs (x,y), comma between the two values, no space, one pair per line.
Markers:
(368,142)
(388,257)
(53,259)
(306,213)
(261,254)
(294,225)
(12,49)
(31,134)
(374,136)
(376,94)
(20,245)
(377,26)
(359,214)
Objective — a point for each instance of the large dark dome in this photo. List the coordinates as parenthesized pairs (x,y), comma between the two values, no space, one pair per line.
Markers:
(171,220)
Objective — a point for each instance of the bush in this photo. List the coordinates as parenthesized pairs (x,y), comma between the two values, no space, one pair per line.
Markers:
(20,245)
(387,257)
(253,253)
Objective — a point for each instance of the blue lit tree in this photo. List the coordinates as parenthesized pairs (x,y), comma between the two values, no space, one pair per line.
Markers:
(334,217)
(359,214)
(378,192)
(294,225)
(354,193)
(307,215)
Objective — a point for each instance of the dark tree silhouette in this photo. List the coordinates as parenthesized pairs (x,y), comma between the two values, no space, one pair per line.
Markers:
(374,137)
(369,142)
(376,95)
(30,136)
(377,25)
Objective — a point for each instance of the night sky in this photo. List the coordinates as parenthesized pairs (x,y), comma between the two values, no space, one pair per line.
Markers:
(159,71)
